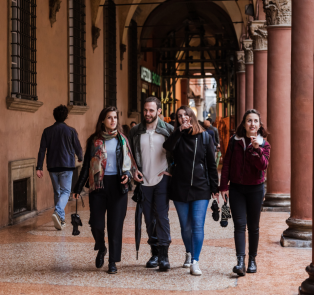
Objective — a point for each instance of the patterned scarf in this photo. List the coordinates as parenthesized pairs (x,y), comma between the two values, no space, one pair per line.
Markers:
(99,158)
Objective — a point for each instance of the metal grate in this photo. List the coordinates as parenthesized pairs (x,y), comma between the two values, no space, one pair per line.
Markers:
(23,63)
(110,54)
(77,54)
(132,59)
(19,196)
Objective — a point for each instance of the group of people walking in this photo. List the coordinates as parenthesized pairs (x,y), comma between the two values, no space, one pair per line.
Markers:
(169,161)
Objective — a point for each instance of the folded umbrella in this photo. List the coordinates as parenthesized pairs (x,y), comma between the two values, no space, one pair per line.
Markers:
(76,220)
(216,210)
(138,197)
(225,213)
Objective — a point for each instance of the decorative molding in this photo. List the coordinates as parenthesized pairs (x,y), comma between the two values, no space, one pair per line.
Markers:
(24,105)
(240,61)
(278,12)
(95,36)
(248,50)
(22,169)
(54,7)
(258,32)
(77,110)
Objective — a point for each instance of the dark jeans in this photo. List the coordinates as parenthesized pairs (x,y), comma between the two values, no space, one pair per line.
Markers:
(115,203)
(246,203)
(155,209)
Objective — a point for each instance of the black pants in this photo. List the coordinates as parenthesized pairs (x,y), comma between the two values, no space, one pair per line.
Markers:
(155,209)
(246,203)
(115,203)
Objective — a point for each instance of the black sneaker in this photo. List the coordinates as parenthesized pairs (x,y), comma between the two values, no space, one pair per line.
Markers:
(112,268)
(56,220)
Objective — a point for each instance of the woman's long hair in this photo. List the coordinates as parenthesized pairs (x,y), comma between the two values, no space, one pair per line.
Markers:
(241,132)
(100,126)
(196,127)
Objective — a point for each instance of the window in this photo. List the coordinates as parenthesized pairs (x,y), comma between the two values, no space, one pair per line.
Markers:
(23,50)
(77,54)
(110,54)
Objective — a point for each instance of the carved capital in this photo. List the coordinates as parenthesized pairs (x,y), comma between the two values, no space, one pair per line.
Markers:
(240,61)
(95,36)
(54,7)
(278,12)
(248,50)
(258,33)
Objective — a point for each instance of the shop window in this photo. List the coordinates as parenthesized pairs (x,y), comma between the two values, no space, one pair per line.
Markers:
(132,65)
(23,49)
(110,54)
(77,53)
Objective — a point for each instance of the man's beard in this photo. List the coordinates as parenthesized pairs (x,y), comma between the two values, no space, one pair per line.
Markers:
(151,120)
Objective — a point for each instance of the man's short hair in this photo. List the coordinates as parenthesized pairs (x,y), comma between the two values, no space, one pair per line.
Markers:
(172,116)
(133,122)
(60,113)
(210,120)
(155,100)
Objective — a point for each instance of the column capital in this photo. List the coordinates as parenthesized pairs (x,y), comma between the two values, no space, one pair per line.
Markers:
(248,50)
(278,12)
(258,32)
(240,61)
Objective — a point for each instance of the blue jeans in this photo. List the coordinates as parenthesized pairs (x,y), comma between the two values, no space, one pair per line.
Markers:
(61,182)
(192,219)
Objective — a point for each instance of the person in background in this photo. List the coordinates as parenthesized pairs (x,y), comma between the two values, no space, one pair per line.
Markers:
(194,179)
(132,124)
(154,162)
(206,125)
(62,144)
(244,165)
(172,118)
(106,169)
(211,127)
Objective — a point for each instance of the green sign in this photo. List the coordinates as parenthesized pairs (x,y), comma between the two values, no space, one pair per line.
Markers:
(155,79)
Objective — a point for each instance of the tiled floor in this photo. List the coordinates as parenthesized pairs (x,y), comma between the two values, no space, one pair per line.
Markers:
(37,259)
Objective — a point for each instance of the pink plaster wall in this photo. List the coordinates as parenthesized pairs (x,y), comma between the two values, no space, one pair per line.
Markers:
(20,131)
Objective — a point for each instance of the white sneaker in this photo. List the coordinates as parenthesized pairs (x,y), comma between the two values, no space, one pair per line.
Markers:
(56,220)
(187,262)
(195,269)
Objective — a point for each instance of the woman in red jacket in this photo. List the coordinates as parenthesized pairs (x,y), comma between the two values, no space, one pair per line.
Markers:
(244,165)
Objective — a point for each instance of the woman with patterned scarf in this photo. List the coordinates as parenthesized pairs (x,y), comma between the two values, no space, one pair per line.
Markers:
(106,171)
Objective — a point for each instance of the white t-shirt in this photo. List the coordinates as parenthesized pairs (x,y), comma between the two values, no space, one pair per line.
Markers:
(154,160)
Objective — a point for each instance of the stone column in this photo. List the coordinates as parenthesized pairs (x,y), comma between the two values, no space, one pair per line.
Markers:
(299,233)
(249,73)
(278,17)
(240,86)
(258,33)
(199,105)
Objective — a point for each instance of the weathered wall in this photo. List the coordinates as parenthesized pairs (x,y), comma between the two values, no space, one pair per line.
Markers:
(20,131)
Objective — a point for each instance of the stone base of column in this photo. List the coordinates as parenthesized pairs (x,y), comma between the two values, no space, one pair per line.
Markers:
(276,203)
(299,234)
(307,287)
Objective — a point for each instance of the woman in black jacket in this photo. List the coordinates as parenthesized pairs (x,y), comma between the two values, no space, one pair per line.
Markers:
(106,169)
(194,179)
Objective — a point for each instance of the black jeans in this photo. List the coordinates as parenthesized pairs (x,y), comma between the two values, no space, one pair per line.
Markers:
(115,203)
(155,209)
(246,204)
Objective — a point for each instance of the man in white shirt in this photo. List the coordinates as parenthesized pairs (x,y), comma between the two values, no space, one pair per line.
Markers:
(146,140)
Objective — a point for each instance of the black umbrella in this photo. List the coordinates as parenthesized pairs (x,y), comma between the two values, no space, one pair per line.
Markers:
(76,220)
(215,209)
(138,197)
(225,213)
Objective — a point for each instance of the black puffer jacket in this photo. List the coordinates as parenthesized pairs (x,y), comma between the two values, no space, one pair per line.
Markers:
(190,182)
(83,178)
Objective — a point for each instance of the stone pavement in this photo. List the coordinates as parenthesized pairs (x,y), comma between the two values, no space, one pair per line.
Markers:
(37,259)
